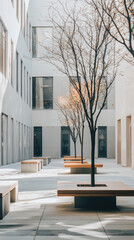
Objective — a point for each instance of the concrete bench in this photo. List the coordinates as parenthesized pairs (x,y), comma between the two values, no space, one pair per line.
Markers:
(81,168)
(45,160)
(101,197)
(30,166)
(8,193)
(41,162)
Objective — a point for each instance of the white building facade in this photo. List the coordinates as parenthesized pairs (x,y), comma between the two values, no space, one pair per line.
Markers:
(48,85)
(125,115)
(15,81)
(29,117)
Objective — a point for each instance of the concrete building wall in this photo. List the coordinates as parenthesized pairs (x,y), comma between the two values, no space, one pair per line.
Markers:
(49,119)
(124,109)
(16,108)
(51,141)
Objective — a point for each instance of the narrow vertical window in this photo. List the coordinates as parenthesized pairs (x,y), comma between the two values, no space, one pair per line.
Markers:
(17,71)
(37,141)
(24,83)
(12,62)
(30,87)
(17,9)
(21,14)
(21,78)
(27,87)
(24,20)
(27,30)
(3,49)
(30,36)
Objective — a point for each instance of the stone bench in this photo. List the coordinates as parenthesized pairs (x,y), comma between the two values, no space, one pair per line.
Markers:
(46,160)
(30,166)
(8,193)
(101,197)
(81,168)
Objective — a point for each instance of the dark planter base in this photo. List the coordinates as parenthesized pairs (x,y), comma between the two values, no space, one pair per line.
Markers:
(95,203)
(82,170)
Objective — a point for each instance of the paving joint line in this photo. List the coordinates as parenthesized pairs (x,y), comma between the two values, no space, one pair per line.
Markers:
(39,222)
(103,226)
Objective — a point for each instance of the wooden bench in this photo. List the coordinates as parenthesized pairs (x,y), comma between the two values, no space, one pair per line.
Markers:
(102,196)
(45,160)
(77,168)
(8,193)
(84,161)
(30,166)
(73,159)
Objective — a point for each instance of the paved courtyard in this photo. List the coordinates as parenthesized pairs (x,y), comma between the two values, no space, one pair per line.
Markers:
(40,215)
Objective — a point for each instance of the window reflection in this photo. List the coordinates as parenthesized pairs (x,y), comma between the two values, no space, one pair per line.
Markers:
(41,41)
(43,93)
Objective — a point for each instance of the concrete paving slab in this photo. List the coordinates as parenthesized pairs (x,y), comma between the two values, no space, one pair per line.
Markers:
(41,215)
(70,237)
(122,238)
(16,238)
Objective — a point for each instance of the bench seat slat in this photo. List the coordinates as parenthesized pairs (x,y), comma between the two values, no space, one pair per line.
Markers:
(29,162)
(81,165)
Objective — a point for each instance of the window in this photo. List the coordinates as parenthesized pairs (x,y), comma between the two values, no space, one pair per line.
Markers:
(24,20)
(17,9)
(30,92)
(30,37)
(4,139)
(41,39)
(27,87)
(17,71)
(3,51)
(24,83)
(21,75)
(102,142)
(43,93)
(21,14)
(11,62)
(27,30)
(37,141)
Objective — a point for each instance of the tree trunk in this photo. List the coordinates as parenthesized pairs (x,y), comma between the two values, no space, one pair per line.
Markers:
(92,158)
(81,152)
(82,139)
(75,153)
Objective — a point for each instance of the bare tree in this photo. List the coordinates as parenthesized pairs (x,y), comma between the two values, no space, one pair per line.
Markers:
(67,119)
(74,116)
(83,48)
(77,115)
(118,20)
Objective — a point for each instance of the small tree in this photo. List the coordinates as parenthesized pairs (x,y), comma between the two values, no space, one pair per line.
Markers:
(78,115)
(62,103)
(74,116)
(118,20)
(83,48)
